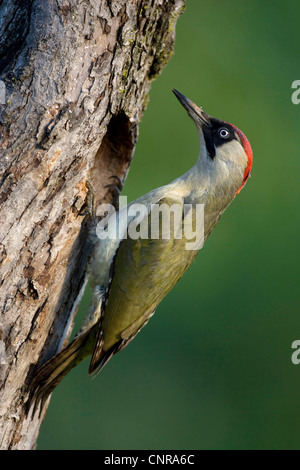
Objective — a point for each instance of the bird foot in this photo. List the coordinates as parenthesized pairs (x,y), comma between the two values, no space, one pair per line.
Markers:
(116,189)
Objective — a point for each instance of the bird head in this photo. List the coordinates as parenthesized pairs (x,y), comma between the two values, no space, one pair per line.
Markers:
(225,152)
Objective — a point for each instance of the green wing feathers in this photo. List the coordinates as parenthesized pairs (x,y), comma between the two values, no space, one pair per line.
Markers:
(145,270)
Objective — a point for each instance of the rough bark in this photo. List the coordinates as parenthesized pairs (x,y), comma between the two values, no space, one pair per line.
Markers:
(77,76)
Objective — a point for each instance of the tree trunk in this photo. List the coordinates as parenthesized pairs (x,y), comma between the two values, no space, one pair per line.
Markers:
(76,76)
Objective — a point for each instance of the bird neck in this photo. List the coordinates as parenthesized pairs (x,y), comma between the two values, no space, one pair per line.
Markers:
(200,185)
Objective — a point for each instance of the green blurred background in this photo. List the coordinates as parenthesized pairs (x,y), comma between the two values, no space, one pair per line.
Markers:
(212,370)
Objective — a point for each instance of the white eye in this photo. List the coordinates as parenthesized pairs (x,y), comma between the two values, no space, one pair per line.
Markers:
(224,133)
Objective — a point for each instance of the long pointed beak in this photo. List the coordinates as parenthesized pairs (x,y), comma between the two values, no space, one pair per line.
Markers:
(197,114)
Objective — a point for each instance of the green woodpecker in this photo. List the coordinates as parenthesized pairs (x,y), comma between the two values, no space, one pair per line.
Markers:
(130,276)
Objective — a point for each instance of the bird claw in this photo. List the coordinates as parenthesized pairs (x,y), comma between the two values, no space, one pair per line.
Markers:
(120,182)
(117,188)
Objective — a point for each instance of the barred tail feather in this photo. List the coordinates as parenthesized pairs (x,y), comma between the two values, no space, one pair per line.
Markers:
(55,369)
